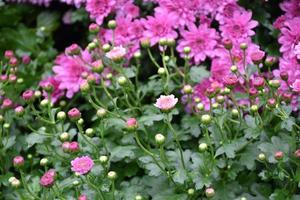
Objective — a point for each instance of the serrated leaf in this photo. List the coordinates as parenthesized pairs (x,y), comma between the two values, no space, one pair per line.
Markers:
(198,73)
(121,152)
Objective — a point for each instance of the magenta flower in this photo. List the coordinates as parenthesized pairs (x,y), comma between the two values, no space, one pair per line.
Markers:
(257,56)
(226,10)
(201,40)
(28,95)
(7,103)
(131,123)
(291,7)
(82,165)
(160,26)
(68,72)
(166,103)
(290,38)
(56,92)
(18,161)
(47,180)
(296,86)
(239,26)
(74,146)
(82,197)
(74,114)
(99,9)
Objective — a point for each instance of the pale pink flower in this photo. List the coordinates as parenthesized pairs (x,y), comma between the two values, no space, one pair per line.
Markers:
(56,92)
(166,102)
(47,180)
(99,9)
(160,26)
(239,26)
(117,53)
(82,197)
(201,40)
(296,86)
(82,165)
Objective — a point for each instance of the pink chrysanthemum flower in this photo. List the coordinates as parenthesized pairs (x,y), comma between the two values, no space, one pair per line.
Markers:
(56,93)
(166,103)
(201,40)
(291,7)
(226,10)
(117,53)
(68,72)
(160,26)
(47,180)
(239,26)
(296,86)
(290,38)
(82,165)
(82,197)
(126,8)
(99,9)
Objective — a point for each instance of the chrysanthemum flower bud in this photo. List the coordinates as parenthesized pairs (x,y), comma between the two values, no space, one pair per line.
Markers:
(235,112)
(202,147)
(226,91)
(112,175)
(187,50)
(162,42)
(278,155)
(166,58)
(258,83)
(64,136)
(191,192)
(37,94)
(29,156)
(44,161)
(209,192)
(106,47)
(91,46)
(20,80)
(270,60)
(66,146)
(19,111)
(243,46)
(8,54)
(187,89)
(233,68)
(18,161)
(200,106)
(227,44)
(91,79)
(131,124)
(287,97)
(84,86)
(243,198)
(103,159)
(262,157)
(94,28)
(220,99)
(138,197)
(160,139)
(6,125)
(62,103)
(215,105)
(206,119)
(97,66)
(271,103)
(74,147)
(109,76)
(89,132)
(15,183)
(161,71)
(254,108)
(74,49)
(11,179)
(61,115)
(75,183)
(230,80)
(101,112)
(137,55)
(112,24)
(274,83)
(12,78)
(7,103)
(170,42)
(297,153)
(122,80)
(13,62)
(74,114)
(145,43)
(257,57)
(116,54)
(80,121)
(284,75)
(28,96)
(45,103)
(48,87)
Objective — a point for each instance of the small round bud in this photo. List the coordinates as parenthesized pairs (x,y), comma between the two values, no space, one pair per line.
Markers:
(74,114)
(161,71)
(112,24)
(297,153)
(29,156)
(18,161)
(106,47)
(103,159)
(191,192)
(284,75)
(61,115)
(278,155)
(91,46)
(206,119)
(254,108)
(19,111)
(64,136)
(20,80)
(160,139)
(271,103)
(62,103)
(80,121)
(97,66)
(202,147)
(166,58)
(137,55)
(233,68)
(162,41)
(270,60)
(200,106)
(15,183)
(74,49)
(243,198)
(37,94)
(84,86)
(131,124)
(89,132)
(227,44)
(235,112)
(220,99)
(243,46)
(74,147)
(138,197)
(28,96)
(274,83)
(215,105)
(75,183)
(11,179)
(187,50)
(187,89)
(209,192)
(261,157)
(145,43)
(122,80)
(226,90)
(94,28)
(44,162)
(109,76)
(101,112)
(6,125)
(45,103)
(112,175)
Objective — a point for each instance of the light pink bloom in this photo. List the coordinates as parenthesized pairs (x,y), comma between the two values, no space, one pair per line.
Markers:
(239,26)
(201,40)
(166,102)
(82,197)
(131,123)
(126,8)
(18,161)
(99,9)
(56,93)
(47,180)
(117,53)
(296,86)
(82,165)
(160,26)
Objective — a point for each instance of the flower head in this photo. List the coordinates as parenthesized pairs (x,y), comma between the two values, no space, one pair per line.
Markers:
(47,180)
(166,103)
(82,165)
(296,86)
(99,9)
(56,92)
(116,54)
(18,161)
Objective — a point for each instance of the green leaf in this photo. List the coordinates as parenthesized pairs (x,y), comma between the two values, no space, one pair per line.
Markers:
(123,152)
(8,142)
(48,20)
(248,156)
(191,125)
(152,168)
(198,73)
